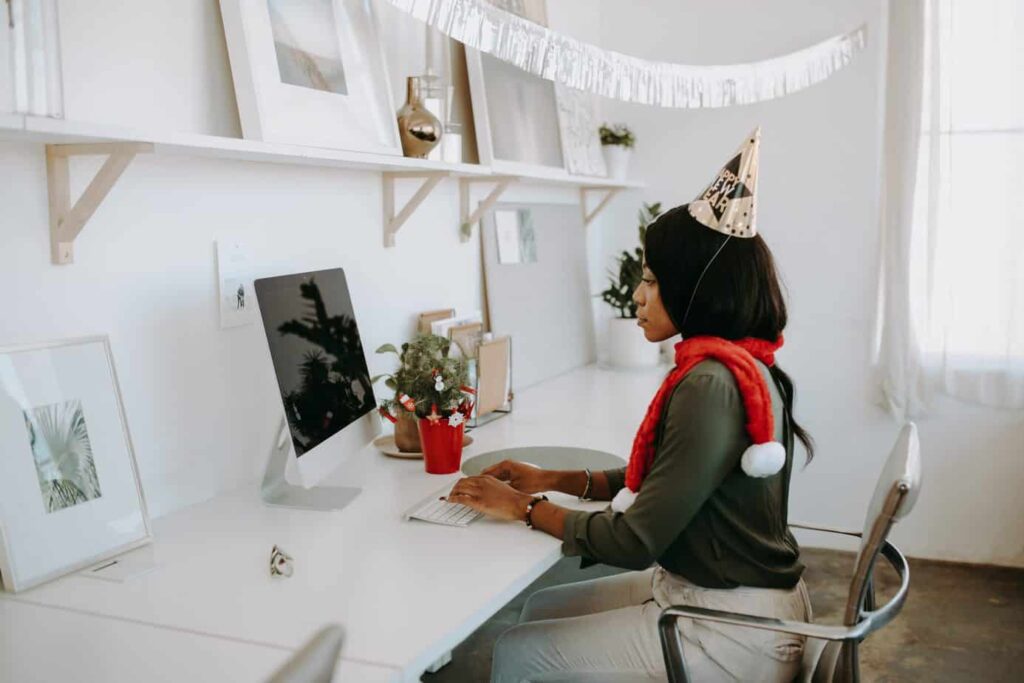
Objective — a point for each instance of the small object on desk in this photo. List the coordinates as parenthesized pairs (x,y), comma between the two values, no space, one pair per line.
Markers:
(281,563)
(434,508)
(387,446)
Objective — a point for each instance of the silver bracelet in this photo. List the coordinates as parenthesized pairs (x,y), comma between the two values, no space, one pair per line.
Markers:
(586,490)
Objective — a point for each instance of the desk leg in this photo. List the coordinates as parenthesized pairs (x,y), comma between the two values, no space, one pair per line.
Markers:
(441,662)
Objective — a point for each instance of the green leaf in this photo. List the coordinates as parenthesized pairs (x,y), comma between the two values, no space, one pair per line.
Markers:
(373,380)
(391,384)
(387,348)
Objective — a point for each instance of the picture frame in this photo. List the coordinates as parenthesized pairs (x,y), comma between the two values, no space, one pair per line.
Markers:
(494,392)
(311,72)
(507,141)
(580,122)
(70,493)
(559,138)
(467,338)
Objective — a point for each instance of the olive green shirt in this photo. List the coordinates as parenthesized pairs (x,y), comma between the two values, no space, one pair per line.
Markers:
(698,514)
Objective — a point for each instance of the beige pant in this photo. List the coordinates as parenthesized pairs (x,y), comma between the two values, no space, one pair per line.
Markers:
(607,630)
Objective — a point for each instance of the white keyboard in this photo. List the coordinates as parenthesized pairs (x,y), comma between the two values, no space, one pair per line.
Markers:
(438,511)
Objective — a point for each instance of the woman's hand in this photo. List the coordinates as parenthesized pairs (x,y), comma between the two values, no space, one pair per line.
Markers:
(492,497)
(520,476)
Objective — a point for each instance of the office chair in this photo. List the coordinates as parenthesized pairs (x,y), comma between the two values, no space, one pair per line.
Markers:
(315,662)
(831,652)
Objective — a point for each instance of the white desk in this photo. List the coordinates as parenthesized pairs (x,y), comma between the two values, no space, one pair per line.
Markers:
(405,592)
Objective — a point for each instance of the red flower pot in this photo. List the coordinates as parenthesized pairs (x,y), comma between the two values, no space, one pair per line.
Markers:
(442,446)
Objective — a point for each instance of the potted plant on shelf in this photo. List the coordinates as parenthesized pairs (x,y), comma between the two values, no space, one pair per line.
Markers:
(627,346)
(617,145)
(431,388)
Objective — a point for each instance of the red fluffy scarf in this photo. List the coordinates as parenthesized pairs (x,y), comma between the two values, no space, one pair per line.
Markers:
(739,357)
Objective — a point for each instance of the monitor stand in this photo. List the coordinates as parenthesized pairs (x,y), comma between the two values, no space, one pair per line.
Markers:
(277,492)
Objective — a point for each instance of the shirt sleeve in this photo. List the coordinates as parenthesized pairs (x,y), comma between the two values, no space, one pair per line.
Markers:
(616,479)
(702,440)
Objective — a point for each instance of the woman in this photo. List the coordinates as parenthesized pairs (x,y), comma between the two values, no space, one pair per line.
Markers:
(698,501)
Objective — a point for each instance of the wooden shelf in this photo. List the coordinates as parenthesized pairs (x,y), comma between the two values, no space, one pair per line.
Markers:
(66,138)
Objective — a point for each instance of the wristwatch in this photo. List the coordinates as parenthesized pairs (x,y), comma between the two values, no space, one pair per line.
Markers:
(529,509)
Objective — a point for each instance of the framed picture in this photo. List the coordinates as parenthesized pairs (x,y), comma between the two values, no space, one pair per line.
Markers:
(69,487)
(311,72)
(561,132)
(508,141)
(517,242)
(580,122)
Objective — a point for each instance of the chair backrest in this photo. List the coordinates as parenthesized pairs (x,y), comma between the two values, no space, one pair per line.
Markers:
(895,494)
(315,662)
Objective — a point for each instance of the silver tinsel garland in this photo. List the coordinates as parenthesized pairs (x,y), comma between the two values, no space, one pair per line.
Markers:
(560,58)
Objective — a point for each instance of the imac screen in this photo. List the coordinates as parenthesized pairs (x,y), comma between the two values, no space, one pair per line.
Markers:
(317,354)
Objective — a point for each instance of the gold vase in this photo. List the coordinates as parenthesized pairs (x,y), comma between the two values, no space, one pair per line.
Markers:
(419,130)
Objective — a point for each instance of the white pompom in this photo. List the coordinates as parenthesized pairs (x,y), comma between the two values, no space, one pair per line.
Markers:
(623,499)
(764,459)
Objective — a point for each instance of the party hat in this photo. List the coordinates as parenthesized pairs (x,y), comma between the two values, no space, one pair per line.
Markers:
(729,204)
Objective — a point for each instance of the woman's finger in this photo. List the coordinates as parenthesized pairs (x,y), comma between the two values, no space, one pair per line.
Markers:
(464,499)
(465,486)
(499,471)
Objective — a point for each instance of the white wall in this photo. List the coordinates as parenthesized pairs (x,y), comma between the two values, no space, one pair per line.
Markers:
(818,208)
(201,401)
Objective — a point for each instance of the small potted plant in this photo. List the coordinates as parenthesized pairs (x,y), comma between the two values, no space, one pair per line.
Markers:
(617,145)
(627,346)
(431,386)
(407,434)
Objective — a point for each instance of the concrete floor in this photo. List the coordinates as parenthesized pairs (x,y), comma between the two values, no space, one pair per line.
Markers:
(960,622)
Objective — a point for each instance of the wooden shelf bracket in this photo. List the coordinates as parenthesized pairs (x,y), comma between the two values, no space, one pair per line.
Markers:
(469,219)
(393,222)
(608,192)
(67,221)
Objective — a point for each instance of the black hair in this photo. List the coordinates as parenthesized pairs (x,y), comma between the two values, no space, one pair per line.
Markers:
(739,296)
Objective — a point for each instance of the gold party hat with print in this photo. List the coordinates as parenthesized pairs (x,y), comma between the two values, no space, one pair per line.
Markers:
(729,204)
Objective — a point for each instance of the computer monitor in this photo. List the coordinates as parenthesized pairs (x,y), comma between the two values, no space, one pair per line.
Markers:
(323,380)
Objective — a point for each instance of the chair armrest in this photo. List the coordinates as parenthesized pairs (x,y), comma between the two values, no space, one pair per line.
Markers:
(826,529)
(800,628)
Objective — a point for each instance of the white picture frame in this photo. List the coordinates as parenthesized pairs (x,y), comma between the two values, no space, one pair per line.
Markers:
(580,124)
(312,73)
(70,494)
(507,141)
(560,135)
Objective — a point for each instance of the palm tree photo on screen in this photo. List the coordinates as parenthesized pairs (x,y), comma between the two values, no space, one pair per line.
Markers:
(334,386)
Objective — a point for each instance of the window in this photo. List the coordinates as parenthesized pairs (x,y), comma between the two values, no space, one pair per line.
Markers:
(968,263)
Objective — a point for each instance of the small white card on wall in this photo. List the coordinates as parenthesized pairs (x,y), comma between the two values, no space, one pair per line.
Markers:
(234,273)
(517,242)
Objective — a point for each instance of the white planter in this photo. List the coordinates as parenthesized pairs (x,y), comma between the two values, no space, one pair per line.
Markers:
(627,346)
(616,159)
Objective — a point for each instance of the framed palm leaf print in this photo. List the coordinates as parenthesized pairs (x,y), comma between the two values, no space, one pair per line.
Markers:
(69,486)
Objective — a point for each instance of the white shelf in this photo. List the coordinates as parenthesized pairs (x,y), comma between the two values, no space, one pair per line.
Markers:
(90,138)
(58,131)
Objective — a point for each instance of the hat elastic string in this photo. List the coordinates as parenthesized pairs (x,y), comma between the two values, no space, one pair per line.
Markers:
(702,274)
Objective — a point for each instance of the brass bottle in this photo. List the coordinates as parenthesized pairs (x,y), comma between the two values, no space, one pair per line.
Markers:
(419,130)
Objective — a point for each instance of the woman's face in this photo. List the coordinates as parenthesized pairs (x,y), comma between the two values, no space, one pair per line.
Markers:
(650,311)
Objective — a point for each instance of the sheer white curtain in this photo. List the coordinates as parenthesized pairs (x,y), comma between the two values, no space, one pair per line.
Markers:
(951,308)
